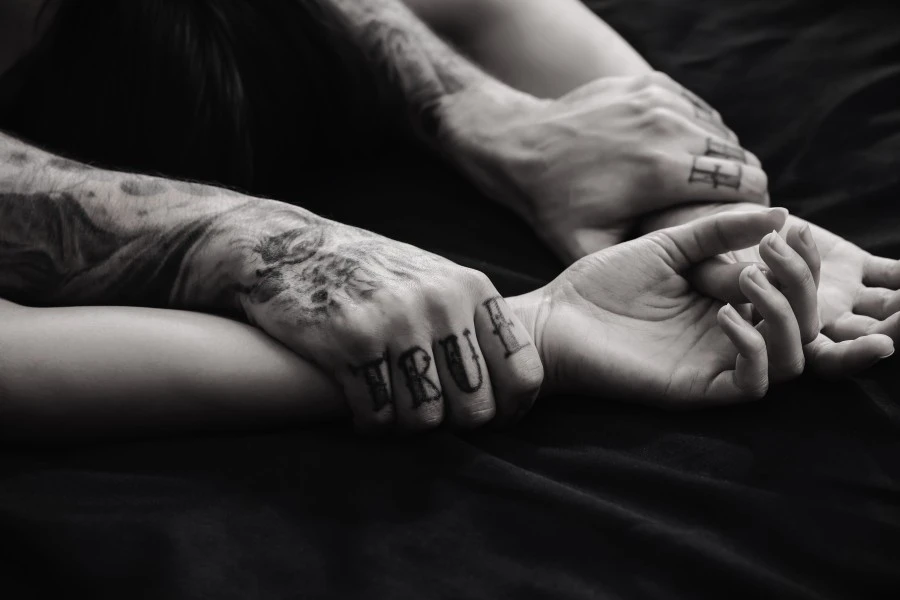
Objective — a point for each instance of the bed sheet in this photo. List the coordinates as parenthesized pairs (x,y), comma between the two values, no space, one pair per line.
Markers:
(797,496)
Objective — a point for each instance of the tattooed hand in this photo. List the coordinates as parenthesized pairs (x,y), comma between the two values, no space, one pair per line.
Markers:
(412,338)
(584,167)
(858,305)
(627,320)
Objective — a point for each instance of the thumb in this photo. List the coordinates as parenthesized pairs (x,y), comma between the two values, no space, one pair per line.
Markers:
(687,245)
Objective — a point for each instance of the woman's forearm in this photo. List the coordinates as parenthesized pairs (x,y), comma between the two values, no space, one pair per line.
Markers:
(117,371)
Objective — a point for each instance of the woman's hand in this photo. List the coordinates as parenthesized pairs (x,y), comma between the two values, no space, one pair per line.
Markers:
(412,338)
(626,321)
(858,299)
(582,169)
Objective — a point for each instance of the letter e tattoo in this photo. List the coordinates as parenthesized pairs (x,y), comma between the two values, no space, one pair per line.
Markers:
(503,327)
(414,364)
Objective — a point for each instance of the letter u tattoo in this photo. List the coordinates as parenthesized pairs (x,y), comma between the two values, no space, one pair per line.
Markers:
(457,363)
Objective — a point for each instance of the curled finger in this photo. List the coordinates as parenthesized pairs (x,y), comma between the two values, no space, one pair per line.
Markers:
(749,380)
(796,283)
(779,326)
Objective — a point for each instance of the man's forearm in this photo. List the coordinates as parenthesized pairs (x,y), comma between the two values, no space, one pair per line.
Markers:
(413,62)
(74,234)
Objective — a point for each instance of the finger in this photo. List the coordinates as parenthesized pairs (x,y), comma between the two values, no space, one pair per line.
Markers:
(796,283)
(850,327)
(468,399)
(831,360)
(881,272)
(418,395)
(512,360)
(720,279)
(878,303)
(367,386)
(688,244)
(749,380)
(711,178)
(779,326)
(801,240)
(716,147)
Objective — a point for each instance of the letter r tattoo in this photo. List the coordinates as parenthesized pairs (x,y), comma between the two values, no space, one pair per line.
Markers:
(414,364)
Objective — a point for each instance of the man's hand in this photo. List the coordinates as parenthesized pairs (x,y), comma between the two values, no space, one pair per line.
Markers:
(627,321)
(412,338)
(858,302)
(582,169)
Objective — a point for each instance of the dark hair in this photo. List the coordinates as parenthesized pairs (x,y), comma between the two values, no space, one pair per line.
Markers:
(233,91)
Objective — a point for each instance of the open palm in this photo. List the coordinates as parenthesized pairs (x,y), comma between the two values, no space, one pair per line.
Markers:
(626,319)
(858,302)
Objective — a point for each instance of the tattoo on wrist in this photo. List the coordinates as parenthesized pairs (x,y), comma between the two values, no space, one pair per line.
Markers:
(456,362)
(715,174)
(503,326)
(719,149)
(415,364)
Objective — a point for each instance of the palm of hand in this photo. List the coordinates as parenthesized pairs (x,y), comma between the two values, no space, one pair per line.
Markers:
(616,327)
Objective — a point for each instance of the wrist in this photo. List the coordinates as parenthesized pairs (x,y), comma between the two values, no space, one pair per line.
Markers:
(532,310)
(487,138)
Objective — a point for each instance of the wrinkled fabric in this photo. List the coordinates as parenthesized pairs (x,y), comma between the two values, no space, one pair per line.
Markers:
(797,496)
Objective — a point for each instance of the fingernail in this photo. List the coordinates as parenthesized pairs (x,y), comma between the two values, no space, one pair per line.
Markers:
(758,278)
(779,210)
(886,355)
(777,244)
(730,313)
(806,237)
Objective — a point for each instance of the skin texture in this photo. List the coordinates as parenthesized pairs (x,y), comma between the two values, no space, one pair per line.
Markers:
(71,373)
(857,317)
(377,315)
(552,48)
(686,349)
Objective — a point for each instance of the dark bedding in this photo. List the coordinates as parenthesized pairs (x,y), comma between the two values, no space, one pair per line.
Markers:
(797,496)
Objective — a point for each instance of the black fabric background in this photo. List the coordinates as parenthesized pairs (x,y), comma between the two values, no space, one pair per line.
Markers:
(794,497)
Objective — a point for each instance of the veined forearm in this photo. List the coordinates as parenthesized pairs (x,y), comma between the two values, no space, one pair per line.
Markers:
(74,234)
